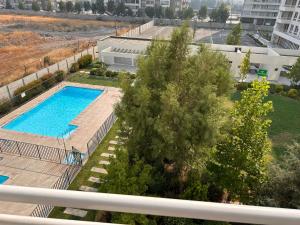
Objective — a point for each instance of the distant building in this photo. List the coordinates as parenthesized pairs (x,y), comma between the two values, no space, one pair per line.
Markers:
(260,12)
(287,29)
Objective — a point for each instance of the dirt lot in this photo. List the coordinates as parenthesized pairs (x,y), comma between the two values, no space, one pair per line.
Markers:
(26,40)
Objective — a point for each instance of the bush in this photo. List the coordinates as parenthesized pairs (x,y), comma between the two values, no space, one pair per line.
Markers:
(278,88)
(94,71)
(48,80)
(59,75)
(47,60)
(241,86)
(31,89)
(292,93)
(5,106)
(85,61)
(74,68)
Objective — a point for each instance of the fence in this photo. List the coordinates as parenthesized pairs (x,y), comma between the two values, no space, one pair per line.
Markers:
(139,30)
(100,133)
(62,183)
(6,92)
(40,152)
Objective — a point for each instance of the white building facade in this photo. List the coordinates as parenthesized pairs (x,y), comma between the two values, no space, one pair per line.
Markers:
(287,29)
(260,12)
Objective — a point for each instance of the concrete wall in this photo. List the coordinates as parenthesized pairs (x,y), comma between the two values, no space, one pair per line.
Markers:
(210,25)
(139,30)
(7,91)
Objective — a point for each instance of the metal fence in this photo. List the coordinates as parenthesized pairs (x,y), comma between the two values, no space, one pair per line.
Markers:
(100,134)
(41,152)
(62,183)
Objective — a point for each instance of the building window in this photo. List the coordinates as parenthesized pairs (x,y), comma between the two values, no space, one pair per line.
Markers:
(291,28)
(296,30)
(295,16)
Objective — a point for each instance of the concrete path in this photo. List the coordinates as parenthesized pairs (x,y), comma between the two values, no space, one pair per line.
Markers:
(75,212)
(104,162)
(95,180)
(99,170)
(113,142)
(110,148)
(107,155)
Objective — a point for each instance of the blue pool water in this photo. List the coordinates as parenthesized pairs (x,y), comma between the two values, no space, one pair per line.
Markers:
(52,117)
(3,179)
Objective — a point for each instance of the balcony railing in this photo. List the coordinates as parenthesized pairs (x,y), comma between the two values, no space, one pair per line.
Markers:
(140,205)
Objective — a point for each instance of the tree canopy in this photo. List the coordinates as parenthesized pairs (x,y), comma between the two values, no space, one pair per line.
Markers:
(202,14)
(234,37)
(294,74)
(245,66)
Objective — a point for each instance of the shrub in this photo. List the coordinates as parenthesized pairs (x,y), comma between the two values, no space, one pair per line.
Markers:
(278,88)
(47,60)
(48,80)
(74,68)
(31,89)
(59,75)
(85,61)
(241,86)
(5,106)
(292,93)
(94,71)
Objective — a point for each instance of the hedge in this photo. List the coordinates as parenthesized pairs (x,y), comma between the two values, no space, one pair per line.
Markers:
(5,106)
(85,61)
(74,67)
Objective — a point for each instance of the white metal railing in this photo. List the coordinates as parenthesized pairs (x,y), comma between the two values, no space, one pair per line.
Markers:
(141,205)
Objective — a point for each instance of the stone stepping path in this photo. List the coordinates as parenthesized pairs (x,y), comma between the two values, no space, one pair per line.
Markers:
(75,212)
(99,170)
(88,189)
(95,180)
(111,148)
(104,162)
(107,155)
(113,142)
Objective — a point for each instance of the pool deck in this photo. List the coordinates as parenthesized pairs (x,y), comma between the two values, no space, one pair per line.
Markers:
(27,172)
(88,121)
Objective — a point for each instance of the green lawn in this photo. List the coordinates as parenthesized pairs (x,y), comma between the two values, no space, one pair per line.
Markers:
(85,78)
(285,118)
(85,173)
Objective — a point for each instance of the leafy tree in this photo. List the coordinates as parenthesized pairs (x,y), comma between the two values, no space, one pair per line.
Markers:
(78,7)
(202,14)
(100,6)
(245,66)
(223,13)
(69,6)
(234,37)
(94,8)
(49,6)
(8,4)
(169,13)
(87,6)
(44,5)
(175,107)
(140,12)
(129,176)
(128,11)
(62,6)
(241,158)
(150,11)
(214,15)
(283,187)
(158,11)
(188,13)
(111,6)
(21,5)
(35,6)
(294,74)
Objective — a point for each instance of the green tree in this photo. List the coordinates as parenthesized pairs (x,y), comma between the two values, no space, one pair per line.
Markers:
(35,6)
(175,108)
(158,11)
(245,66)
(87,6)
(128,11)
(234,37)
(283,187)
(169,13)
(111,6)
(223,13)
(294,74)
(62,6)
(150,11)
(188,13)
(240,163)
(94,8)
(214,15)
(78,7)
(49,6)
(69,6)
(21,5)
(130,176)
(8,4)
(44,5)
(100,6)
(202,14)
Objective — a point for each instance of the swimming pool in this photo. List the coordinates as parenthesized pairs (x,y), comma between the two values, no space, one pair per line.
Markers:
(52,117)
(3,179)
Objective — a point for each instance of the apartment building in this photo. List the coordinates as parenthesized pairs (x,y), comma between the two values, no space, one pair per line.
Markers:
(287,28)
(260,12)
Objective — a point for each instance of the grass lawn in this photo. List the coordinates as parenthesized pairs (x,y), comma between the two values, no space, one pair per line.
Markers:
(285,118)
(85,78)
(85,173)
